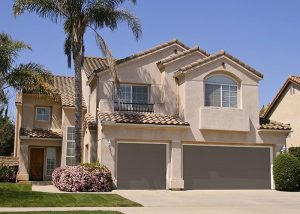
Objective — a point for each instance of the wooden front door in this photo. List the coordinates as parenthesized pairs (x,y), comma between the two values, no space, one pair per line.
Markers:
(36,164)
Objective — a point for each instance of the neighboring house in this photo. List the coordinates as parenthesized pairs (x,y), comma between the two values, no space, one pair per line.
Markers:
(284,108)
(184,119)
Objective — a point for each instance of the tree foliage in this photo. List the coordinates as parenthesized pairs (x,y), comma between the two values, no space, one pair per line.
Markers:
(77,16)
(6,133)
(29,77)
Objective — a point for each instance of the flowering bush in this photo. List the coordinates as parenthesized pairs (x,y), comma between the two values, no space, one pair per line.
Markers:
(92,177)
(8,173)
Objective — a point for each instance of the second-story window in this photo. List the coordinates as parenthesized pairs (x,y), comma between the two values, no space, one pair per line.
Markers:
(221,91)
(134,93)
(43,113)
(133,98)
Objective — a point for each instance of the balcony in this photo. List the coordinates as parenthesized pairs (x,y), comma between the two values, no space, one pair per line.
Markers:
(134,107)
(224,119)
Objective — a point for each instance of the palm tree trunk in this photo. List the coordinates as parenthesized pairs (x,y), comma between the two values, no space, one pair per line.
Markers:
(78,60)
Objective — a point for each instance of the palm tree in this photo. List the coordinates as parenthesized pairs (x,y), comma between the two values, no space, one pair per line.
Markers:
(77,17)
(29,77)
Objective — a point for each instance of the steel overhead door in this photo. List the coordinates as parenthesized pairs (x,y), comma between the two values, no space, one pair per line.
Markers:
(141,166)
(220,167)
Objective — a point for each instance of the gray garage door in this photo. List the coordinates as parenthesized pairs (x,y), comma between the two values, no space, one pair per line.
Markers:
(141,166)
(216,167)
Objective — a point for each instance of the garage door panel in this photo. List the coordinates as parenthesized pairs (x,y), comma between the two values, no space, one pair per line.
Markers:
(215,167)
(141,166)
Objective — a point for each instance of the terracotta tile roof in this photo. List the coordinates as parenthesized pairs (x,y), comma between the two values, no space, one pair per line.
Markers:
(94,64)
(40,133)
(295,79)
(141,118)
(90,122)
(291,79)
(183,53)
(273,125)
(91,64)
(66,87)
(215,56)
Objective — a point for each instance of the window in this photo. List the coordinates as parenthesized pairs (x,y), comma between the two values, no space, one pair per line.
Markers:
(134,94)
(70,161)
(220,91)
(134,98)
(51,161)
(42,113)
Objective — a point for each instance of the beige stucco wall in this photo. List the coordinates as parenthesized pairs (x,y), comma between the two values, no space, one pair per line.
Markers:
(24,155)
(142,70)
(286,111)
(229,124)
(68,115)
(185,96)
(30,102)
(175,137)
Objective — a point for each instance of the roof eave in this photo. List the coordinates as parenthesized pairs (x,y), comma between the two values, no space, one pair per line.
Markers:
(138,125)
(274,130)
(40,138)
(277,96)
(183,71)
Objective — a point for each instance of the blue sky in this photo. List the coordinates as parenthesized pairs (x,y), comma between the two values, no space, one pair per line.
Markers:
(263,33)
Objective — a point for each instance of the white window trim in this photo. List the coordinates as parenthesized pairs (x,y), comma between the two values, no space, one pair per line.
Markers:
(221,94)
(131,85)
(46,163)
(67,156)
(42,107)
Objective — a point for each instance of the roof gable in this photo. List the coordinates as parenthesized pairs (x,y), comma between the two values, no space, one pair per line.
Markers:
(213,57)
(183,54)
(291,79)
(95,64)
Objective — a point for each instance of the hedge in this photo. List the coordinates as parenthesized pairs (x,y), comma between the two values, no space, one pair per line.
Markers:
(286,170)
(92,177)
(295,151)
(8,173)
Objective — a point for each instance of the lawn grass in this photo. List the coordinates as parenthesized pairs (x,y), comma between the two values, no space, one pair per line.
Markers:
(20,195)
(66,212)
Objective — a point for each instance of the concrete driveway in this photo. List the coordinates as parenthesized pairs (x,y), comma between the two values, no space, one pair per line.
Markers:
(213,201)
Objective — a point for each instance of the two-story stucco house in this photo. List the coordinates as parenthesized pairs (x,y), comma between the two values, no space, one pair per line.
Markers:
(184,119)
(284,108)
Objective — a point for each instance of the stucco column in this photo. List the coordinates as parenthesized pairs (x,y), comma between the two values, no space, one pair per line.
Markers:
(23,164)
(17,130)
(108,150)
(176,181)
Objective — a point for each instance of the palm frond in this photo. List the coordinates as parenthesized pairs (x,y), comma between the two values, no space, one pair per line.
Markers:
(68,49)
(9,50)
(52,9)
(104,15)
(132,21)
(111,62)
(31,78)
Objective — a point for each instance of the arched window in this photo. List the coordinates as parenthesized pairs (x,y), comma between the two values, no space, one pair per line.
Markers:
(220,91)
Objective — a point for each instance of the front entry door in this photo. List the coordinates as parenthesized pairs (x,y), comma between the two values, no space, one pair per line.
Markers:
(36,164)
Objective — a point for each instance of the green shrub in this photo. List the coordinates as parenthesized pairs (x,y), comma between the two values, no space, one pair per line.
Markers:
(8,173)
(295,151)
(286,171)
